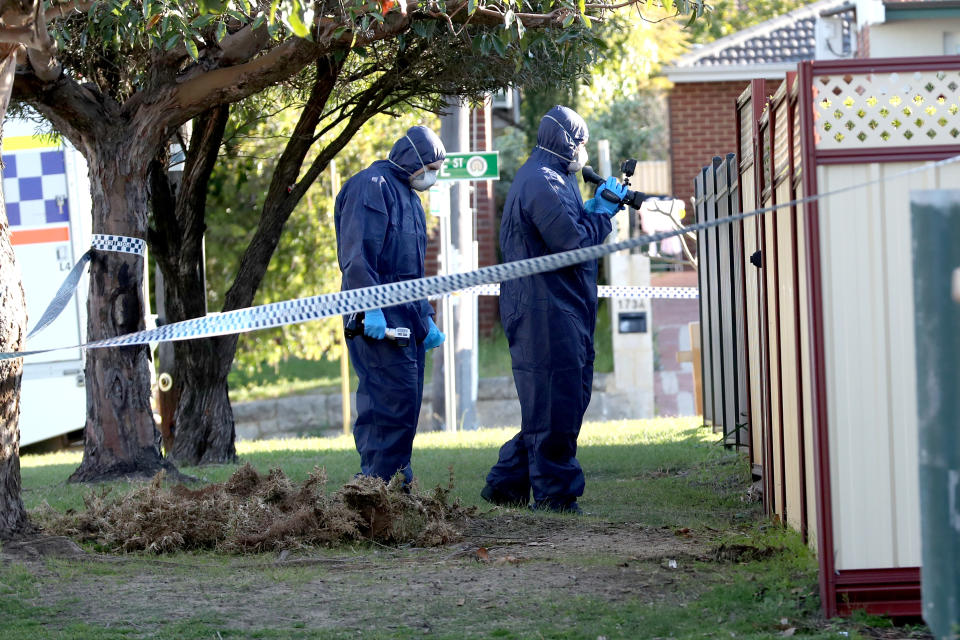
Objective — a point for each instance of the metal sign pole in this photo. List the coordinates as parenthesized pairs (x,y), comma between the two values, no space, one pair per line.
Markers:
(446,305)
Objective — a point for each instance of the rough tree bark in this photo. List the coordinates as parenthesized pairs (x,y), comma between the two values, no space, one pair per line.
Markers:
(203,428)
(120,435)
(13,324)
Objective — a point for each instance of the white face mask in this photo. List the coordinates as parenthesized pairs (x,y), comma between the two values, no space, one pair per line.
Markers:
(425,180)
(580,162)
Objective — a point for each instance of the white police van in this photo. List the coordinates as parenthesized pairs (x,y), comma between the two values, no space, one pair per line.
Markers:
(47,195)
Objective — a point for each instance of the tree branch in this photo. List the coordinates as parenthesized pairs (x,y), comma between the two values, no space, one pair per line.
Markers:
(201,157)
(73,109)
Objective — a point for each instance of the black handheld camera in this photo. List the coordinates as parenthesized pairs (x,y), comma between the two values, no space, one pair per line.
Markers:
(633,198)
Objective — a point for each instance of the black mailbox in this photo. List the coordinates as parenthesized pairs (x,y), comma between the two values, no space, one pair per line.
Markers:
(633,322)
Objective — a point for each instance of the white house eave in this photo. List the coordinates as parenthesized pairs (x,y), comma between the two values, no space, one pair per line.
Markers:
(728,72)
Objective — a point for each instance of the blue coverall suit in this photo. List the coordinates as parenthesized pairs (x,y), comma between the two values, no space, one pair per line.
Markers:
(382,238)
(549,320)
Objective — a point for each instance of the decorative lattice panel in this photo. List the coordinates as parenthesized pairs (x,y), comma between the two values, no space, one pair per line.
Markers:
(887,110)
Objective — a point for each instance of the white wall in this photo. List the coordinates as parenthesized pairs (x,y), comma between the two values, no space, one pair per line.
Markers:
(871,371)
(910,38)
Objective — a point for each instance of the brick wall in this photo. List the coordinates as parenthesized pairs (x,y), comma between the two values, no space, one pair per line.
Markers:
(484,207)
(863,42)
(703,119)
(483,203)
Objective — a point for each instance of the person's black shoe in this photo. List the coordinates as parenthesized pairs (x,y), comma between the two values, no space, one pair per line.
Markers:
(501,498)
(571,508)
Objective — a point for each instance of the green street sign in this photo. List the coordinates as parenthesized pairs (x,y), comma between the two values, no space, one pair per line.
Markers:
(471,166)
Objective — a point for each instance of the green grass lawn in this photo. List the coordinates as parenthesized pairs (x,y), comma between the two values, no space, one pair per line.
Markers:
(658,492)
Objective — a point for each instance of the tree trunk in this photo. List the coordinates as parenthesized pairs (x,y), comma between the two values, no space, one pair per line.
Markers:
(203,421)
(204,417)
(13,325)
(120,436)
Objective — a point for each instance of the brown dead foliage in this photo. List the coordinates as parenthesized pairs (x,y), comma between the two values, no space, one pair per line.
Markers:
(252,513)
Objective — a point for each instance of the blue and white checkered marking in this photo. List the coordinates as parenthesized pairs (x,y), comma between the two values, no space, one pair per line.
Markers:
(121,244)
(35,187)
(607,291)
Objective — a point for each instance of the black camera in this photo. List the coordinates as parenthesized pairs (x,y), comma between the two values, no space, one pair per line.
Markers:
(633,198)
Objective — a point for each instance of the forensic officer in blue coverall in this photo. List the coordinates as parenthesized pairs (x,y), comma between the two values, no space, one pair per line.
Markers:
(549,318)
(382,238)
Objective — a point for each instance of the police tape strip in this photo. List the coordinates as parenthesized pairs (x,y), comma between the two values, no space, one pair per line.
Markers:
(98,242)
(608,291)
(277,314)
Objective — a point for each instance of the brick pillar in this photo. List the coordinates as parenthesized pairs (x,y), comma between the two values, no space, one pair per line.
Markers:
(484,206)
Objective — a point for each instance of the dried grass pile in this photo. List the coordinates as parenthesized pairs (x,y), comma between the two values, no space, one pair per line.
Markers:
(252,513)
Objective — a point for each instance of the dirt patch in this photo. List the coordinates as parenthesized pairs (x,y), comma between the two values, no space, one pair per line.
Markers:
(254,513)
(524,557)
(36,547)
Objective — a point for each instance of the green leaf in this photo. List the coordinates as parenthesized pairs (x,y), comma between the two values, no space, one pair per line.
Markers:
(508,18)
(171,42)
(147,9)
(258,21)
(485,45)
(192,49)
(296,24)
(668,5)
(521,31)
(471,7)
(221,31)
(201,21)
(499,46)
(586,20)
(568,20)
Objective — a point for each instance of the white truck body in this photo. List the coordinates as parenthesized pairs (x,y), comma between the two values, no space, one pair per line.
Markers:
(47,194)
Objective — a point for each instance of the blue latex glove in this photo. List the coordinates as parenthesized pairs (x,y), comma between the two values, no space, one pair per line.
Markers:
(602,205)
(434,338)
(374,324)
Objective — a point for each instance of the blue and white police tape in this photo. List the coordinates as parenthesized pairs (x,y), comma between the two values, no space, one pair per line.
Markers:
(333,304)
(99,242)
(608,291)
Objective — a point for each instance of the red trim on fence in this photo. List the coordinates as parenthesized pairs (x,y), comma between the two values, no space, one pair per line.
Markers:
(777,336)
(885,154)
(758,102)
(893,592)
(744,265)
(795,221)
(825,547)
(885,65)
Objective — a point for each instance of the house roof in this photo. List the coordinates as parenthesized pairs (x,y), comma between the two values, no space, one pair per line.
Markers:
(771,47)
